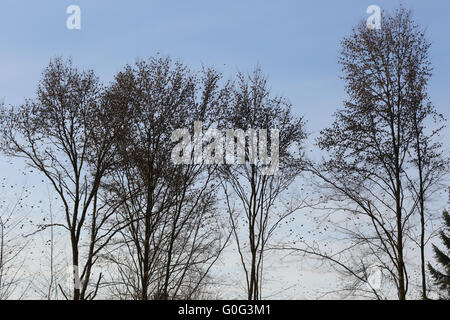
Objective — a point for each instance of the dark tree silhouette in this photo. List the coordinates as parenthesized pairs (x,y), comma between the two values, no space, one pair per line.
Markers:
(261,207)
(386,72)
(65,135)
(174,233)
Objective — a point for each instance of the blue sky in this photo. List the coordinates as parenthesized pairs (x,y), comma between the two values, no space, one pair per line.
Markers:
(295,42)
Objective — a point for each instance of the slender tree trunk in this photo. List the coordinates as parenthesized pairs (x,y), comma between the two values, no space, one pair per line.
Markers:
(422,250)
(398,202)
(422,210)
(400,259)
(76,288)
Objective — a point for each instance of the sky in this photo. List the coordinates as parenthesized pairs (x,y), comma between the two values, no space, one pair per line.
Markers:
(296,43)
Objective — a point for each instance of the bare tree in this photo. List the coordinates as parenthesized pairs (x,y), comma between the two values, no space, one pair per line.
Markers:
(429,163)
(262,207)
(174,233)
(369,143)
(61,133)
(13,245)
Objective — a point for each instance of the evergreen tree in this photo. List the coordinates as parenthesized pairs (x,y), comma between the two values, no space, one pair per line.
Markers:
(442,279)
